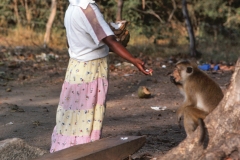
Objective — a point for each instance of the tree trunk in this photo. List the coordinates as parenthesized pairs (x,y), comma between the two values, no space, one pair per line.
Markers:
(119,10)
(223,130)
(193,52)
(16,12)
(28,14)
(143,4)
(49,23)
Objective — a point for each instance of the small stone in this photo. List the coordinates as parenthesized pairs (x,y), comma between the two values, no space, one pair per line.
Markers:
(8,90)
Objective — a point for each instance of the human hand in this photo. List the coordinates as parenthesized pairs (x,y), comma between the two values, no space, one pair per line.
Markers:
(140,65)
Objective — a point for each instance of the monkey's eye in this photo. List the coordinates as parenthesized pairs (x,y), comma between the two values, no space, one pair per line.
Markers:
(189,70)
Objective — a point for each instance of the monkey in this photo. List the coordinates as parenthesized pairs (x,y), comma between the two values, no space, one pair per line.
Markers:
(201,96)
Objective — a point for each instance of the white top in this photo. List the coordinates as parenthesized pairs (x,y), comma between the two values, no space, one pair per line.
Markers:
(81,3)
(85,30)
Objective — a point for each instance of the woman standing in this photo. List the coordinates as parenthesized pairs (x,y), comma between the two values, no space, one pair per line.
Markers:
(81,106)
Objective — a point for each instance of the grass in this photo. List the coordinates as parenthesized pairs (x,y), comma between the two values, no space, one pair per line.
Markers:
(220,50)
(27,37)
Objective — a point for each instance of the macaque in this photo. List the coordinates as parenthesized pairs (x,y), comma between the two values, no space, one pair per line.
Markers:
(201,95)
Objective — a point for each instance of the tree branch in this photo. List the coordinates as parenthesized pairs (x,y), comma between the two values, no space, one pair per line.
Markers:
(151,12)
(174,9)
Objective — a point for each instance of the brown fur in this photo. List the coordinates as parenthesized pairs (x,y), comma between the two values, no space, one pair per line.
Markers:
(201,94)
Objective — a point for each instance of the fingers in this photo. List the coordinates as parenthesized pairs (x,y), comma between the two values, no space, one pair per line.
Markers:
(149,71)
(144,71)
(140,65)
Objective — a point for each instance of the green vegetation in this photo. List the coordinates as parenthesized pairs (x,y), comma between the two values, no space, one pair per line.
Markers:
(156,28)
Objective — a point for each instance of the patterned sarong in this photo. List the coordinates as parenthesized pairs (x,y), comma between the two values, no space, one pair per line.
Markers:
(81,106)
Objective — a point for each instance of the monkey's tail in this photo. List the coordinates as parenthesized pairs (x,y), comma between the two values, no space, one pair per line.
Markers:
(202,130)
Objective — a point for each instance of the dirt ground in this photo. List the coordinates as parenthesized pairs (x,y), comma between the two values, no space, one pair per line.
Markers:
(30,89)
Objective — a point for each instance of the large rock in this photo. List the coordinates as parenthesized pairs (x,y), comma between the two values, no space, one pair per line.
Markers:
(17,149)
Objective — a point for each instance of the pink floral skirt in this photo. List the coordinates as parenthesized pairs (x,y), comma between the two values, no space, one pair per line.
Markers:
(81,106)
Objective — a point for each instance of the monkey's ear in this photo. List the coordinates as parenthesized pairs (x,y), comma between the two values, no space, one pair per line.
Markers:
(189,70)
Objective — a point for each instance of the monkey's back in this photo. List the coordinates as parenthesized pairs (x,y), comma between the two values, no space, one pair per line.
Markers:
(204,90)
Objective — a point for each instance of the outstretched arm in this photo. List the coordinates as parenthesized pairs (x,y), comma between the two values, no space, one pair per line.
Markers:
(119,49)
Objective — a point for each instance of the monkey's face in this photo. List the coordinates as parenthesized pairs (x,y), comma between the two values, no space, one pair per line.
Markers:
(180,74)
(176,76)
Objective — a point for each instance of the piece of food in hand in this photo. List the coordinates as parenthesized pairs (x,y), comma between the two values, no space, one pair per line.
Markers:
(150,71)
(143,92)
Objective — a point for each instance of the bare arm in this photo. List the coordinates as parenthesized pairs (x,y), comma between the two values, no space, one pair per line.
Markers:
(119,49)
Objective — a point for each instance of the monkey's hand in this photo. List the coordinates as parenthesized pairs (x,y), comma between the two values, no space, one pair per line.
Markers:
(179,122)
(179,119)
(179,114)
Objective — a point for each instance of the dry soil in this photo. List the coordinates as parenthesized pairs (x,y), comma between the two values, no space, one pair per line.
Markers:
(30,89)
